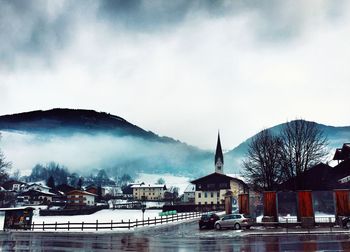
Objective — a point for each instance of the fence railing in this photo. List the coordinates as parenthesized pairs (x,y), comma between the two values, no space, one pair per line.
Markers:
(113,224)
(317,220)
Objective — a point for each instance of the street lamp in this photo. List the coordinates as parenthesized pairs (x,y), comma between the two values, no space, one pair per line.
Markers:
(143,208)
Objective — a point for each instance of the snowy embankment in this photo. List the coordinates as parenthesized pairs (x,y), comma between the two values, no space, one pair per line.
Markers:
(105,215)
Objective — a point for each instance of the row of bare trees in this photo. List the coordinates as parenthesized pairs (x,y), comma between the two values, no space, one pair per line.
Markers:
(274,158)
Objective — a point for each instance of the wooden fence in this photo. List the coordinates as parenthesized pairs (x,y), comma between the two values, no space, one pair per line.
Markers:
(81,226)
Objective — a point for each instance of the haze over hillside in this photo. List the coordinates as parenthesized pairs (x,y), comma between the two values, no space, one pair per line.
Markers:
(86,140)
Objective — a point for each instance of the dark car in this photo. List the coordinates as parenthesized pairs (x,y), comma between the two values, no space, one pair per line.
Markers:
(346,222)
(208,220)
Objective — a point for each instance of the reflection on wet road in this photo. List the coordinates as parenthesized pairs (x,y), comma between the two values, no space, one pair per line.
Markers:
(181,237)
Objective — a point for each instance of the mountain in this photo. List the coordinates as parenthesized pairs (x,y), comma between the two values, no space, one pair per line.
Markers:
(86,140)
(336,137)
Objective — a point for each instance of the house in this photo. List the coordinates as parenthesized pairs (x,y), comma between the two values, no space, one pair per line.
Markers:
(189,194)
(35,197)
(14,185)
(343,153)
(94,189)
(64,188)
(114,191)
(148,192)
(80,198)
(211,189)
(38,187)
(316,178)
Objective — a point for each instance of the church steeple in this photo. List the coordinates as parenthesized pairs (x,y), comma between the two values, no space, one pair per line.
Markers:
(219,157)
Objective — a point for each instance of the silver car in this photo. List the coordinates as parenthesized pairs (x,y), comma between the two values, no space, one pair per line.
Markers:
(236,221)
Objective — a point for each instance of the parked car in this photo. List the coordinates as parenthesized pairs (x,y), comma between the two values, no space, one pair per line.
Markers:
(208,220)
(236,221)
(346,222)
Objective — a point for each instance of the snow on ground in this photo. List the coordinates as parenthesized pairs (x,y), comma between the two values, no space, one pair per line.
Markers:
(105,215)
(170,180)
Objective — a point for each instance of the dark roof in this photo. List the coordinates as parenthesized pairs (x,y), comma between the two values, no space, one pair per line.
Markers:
(316,178)
(217,175)
(36,193)
(342,153)
(218,152)
(64,188)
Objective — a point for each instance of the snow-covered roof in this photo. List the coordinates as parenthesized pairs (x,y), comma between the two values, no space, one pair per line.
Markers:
(148,186)
(238,176)
(74,192)
(190,188)
(39,184)
(15,208)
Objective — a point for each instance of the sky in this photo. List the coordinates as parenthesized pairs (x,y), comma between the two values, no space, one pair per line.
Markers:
(183,69)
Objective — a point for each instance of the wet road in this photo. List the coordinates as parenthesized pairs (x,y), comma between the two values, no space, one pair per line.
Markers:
(180,237)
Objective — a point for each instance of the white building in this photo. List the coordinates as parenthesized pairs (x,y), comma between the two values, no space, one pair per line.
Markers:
(148,192)
(189,194)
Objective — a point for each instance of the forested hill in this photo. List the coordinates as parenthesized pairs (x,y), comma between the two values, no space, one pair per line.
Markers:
(70,121)
(100,140)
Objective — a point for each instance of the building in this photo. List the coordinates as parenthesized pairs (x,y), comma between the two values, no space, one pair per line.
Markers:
(39,187)
(80,198)
(148,192)
(14,185)
(343,153)
(35,197)
(211,189)
(189,194)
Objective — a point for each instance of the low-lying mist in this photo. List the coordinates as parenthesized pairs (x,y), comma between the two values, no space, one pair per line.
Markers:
(85,153)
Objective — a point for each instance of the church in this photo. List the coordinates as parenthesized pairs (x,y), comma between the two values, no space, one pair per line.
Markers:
(211,189)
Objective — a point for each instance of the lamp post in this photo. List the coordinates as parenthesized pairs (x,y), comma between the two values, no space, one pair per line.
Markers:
(143,208)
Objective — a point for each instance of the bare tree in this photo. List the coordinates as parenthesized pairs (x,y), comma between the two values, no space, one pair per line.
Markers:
(304,145)
(4,166)
(262,165)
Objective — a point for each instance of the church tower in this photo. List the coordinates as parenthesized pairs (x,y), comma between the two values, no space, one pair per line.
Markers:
(219,157)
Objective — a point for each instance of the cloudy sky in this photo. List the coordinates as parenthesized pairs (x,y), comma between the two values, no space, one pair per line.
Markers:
(180,68)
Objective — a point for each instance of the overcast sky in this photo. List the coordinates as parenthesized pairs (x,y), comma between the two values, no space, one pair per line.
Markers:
(183,68)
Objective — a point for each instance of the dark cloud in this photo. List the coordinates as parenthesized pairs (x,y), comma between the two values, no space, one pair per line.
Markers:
(40,29)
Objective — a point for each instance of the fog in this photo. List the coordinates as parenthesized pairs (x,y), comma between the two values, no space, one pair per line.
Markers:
(86,153)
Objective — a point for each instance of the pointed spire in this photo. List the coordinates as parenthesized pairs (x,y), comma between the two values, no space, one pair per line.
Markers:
(219,157)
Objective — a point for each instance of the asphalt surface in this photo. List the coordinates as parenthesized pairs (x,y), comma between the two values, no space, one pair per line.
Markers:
(175,237)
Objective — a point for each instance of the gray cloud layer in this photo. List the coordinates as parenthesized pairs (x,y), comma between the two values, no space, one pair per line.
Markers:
(234,65)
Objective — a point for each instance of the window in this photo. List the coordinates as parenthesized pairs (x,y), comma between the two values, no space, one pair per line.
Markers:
(218,194)
(199,195)
(205,203)
(205,195)
(223,185)
(211,186)
(212,194)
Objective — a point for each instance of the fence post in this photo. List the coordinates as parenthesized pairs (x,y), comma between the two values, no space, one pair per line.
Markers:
(68,225)
(155,221)
(330,223)
(287,225)
(96,225)
(112,224)
(43,225)
(177,217)
(129,223)
(136,222)
(161,219)
(33,226)
(56,226)
(148,221)
(82,226)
